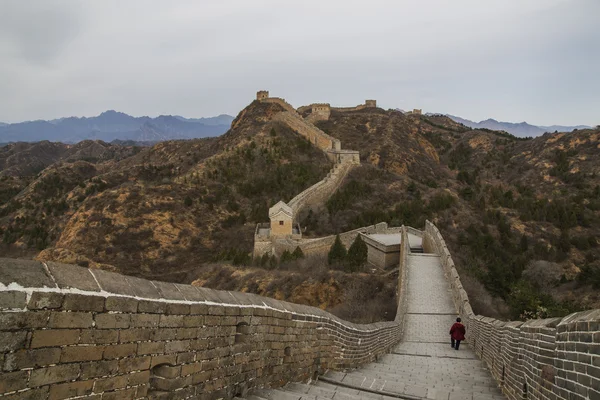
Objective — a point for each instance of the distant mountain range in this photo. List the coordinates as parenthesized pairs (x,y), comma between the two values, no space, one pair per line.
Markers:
(522,129)
(112,125)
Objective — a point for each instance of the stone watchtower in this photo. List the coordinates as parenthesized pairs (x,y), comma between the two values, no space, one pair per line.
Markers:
(320,111)
(371,103)
(262,94)
(282,217)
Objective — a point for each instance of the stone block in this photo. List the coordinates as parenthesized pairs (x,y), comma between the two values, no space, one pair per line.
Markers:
(81,353)
(144,320)
(113,283)
(31,394)
(178,308)
(71,389)
(12,299)
(45,300)
(81,302)
(111,383)
(16,321)
(163,359)
(124,394)
(134,335)
(189,292)
(112,321)
(98,336)
(146,348)
(70,320)
(121,304)
(177,346)
(167,371)
(51,375)
(31,358)
(98,369)
(12,381)
(26,273)
(138,378)
(54,337)
(134,364)
(171,321)
(143,288)
(120,351)
(152,307)
(11,341)
(72,276)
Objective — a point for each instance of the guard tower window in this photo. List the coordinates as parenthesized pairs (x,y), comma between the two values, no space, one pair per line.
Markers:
(280,222)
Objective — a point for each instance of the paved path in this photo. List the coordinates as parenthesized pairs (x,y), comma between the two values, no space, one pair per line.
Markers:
(423,366)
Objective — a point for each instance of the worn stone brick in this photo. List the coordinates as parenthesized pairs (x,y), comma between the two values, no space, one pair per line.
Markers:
(112,321)
(31,394)
(31,358)
(145,348)
(193,321)
(122,304)
(164,334)
(134,364)
(184,358)
(139,378)
(187,333)
(134,335)
(70,320)
(81,353)
(120,350)
(98,369)
(111,383)
(71,389)
(152,307)
(45,300)
(10,341)
(12,299)
(113,283)
(13,381)
(167,371)
(81,302)
(198,309)
(98,336)
(177,346)
(178,308)
(72,276)
(51,375)
(170,384)
(168,290)
(144,320)
(125,394)
(54,337)
(27,273)
(16,321)
(171,321)
(142,391)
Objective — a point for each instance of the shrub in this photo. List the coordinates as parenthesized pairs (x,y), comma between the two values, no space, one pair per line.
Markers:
(357,254)
(337,253)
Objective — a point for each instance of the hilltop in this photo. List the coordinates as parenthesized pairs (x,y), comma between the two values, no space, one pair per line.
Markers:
(520,215)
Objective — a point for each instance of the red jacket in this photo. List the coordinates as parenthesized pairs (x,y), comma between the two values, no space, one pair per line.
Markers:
(457,331)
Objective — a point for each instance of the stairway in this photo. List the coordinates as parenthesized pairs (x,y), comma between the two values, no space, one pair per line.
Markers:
(422,366)
(416,250)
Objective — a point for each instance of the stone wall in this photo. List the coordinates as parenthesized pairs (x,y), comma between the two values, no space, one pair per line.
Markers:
(557,358)
(278,100)
(313,134)
(67,332)
(318,193)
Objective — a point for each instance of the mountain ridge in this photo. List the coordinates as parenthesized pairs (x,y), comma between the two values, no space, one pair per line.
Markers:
(113,125)
(521,129)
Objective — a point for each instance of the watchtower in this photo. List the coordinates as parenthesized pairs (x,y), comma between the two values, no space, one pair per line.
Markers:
(417,111)
(281,216)
(262,94)
(320,111)
(370,103)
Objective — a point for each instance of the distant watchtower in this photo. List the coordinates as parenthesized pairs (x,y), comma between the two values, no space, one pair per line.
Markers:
(262,94)
(320,111)
(370,103)
(281,216)
(417,111)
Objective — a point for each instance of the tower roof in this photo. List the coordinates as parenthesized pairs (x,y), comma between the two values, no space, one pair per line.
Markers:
(281,207)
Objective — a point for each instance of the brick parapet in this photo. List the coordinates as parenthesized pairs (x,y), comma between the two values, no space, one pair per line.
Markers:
(67,331)
(549,359)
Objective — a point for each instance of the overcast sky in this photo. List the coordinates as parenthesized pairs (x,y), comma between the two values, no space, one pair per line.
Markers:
(513,60)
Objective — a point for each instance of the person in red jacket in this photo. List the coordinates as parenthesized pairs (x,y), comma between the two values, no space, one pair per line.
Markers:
(457,334)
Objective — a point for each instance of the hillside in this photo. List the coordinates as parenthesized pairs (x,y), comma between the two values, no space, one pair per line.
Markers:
(112,125)
(521,216)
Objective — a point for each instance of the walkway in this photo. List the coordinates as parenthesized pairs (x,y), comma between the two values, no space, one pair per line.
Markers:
(423,366)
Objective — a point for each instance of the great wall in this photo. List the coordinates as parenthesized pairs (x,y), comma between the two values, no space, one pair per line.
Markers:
(68,332)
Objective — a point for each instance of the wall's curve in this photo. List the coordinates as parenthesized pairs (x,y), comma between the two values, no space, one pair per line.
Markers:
(557,358)
(67,331)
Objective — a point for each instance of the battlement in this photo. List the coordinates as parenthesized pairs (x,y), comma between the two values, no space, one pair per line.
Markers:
(68,331)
